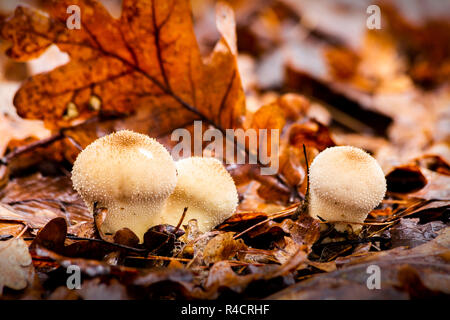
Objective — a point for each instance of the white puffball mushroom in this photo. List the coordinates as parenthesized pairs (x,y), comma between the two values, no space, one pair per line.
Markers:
(206,188)
(130,174)
(346,183)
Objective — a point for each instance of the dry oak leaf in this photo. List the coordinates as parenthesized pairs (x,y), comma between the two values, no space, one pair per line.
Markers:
(222,247)
(149,57)
(16,270)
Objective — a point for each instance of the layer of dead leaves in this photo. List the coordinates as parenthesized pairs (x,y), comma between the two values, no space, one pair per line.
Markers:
(148,71)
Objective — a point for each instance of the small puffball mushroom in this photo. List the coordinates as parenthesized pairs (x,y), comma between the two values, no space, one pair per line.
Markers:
(130,174)
(346,183)
(208,191)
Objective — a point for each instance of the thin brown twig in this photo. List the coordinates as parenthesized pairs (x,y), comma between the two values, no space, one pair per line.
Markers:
(154,257)
(284,213)
(180,221)
(61,134)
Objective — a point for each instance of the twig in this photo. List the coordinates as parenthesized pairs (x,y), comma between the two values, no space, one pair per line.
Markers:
(180,221)
(73,237)
(284,213)
(23,149)
(351,242)
(303,207)
(61,134)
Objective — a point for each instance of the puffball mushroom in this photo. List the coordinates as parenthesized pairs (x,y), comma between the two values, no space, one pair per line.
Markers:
(130,174)
(208,191)
(346,183)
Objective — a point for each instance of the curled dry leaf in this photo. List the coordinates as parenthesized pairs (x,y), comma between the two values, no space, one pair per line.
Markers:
(222,247)
(292,165)
(242,220)
(270,189)
(304,231)
(435,163)
(290,248)
(405,179)
(161,239)
(222,276)
(52,236)
(311,134)
(427,264)
(126,237)
(270,117)
(436,187)
(16,270)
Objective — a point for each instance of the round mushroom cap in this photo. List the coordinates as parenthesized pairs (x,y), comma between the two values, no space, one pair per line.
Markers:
(124,171)
(346,183)
(206,188)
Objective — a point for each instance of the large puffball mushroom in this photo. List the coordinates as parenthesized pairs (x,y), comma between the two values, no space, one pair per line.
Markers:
(206,188)
(346,183)
(130,174)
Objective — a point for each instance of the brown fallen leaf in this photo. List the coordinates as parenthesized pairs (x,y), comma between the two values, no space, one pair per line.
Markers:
(222,247)
(149,56)
(304,231)
(411,234)
(434,162)
(53,237)
(436,187)
(312,134)
(36,199)
(290,248)
(270,117)
(222,279)
(242,220)
(428,263)
(7,213)
(16,270)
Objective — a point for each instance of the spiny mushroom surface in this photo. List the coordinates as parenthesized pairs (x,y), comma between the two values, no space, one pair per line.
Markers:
(130,174)
(206,188)
(346,183)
